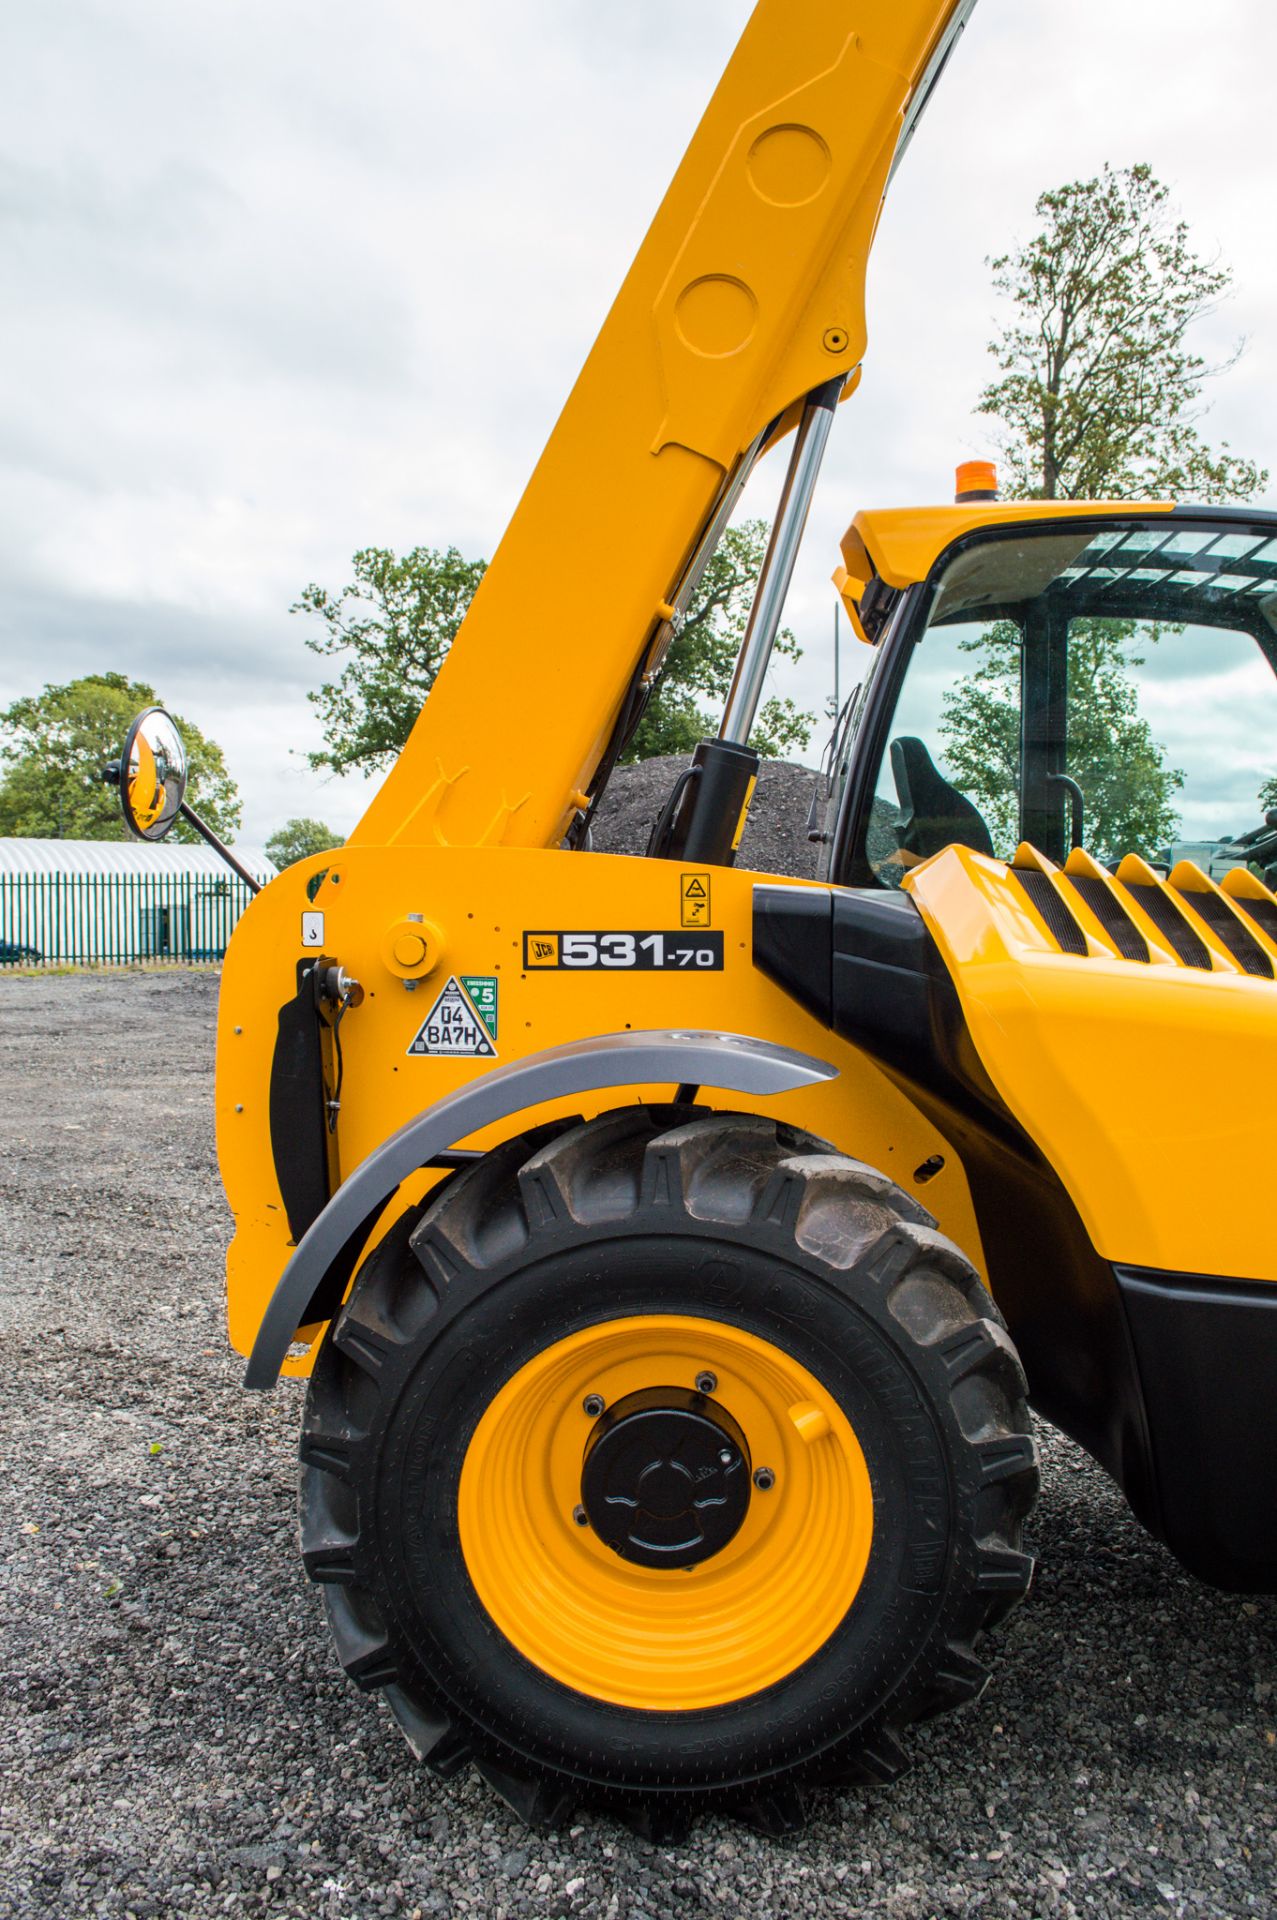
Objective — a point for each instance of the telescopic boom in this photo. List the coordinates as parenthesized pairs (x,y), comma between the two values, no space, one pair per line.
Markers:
(747,296)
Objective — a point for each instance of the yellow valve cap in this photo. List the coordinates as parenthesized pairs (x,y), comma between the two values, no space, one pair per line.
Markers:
(976,480)
(811,1421)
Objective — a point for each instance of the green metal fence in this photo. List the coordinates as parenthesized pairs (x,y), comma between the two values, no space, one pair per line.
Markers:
(116,919)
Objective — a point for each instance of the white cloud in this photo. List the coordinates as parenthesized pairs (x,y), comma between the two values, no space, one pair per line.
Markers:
(285,280)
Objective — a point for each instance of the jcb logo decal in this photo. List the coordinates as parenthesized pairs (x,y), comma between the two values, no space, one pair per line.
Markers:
(542,949)
(694,899)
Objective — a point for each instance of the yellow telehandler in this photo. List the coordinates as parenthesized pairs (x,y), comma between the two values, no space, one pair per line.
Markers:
(675,1251)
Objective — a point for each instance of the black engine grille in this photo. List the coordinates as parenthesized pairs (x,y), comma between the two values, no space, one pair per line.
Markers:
(1112,915)
(1185,942)
(1040,889)
(1231,931)
(1262,912)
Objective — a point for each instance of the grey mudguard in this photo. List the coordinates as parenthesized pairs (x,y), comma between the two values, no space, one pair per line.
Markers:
(327,1251)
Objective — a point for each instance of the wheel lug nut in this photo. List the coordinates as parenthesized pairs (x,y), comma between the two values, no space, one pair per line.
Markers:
(593,1404)
(725,1458)
(706,1382)
(764,1479)
(581,1517)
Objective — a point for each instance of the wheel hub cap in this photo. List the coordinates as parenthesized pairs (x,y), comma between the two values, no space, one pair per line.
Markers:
(666,1477)
(640,1635)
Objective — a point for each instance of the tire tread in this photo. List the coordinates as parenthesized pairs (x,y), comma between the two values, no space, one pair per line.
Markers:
(733,1170)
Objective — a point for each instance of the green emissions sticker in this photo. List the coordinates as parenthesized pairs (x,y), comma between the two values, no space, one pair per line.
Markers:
(482,988)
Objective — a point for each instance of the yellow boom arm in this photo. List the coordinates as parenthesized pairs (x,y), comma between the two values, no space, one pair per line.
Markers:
(747,294)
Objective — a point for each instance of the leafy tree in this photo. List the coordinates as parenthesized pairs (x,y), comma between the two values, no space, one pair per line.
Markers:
(1099,390)
(298,839)
(700,663)
(393,624)
(1113,756)
(1098,399)
(1268,795)
(53,746)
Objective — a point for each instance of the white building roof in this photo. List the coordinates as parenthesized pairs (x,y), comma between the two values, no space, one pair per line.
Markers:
(125,856)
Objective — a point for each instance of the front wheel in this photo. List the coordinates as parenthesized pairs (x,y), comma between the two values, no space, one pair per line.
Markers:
(667,1461)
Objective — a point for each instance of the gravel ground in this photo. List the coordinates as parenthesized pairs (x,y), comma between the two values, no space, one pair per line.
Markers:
(178,1739)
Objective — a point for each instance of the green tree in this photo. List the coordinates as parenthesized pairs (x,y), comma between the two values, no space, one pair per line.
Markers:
(1099,394)
(698,668)
(54,744)
(1268,795)
(298,839)
(1128,788)
(391,628)
(1098,398)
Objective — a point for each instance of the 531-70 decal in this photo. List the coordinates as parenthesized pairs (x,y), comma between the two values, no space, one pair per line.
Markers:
(700,952)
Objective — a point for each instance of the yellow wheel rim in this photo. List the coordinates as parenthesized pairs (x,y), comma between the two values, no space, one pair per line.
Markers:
(665,1639)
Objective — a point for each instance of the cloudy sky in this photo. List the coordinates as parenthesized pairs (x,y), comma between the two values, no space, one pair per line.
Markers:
(284,280)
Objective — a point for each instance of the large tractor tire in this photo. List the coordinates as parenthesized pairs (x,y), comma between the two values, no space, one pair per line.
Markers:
(666,1462)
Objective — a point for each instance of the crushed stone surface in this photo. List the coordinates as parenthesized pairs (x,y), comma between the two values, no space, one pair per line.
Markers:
(178,1739)
(775,838)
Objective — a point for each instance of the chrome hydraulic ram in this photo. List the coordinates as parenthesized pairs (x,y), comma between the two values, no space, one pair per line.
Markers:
(778,565)
(705,816)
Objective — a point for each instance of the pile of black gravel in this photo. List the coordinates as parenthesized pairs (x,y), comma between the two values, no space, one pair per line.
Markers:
(178,1741)
(775,838)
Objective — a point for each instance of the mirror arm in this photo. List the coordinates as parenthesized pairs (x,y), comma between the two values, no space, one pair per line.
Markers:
(205,832)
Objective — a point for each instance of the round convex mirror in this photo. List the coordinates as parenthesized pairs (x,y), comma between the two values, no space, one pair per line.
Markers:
(152,774)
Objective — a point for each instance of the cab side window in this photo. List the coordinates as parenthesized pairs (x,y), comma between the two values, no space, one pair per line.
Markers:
(950,770)
(1111,687)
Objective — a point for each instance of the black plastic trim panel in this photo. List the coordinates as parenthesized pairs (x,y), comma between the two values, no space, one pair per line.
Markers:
(793,944)
(298,1128)
(1206,1350)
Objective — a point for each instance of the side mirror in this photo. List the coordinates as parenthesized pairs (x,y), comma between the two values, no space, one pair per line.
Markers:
(150,775)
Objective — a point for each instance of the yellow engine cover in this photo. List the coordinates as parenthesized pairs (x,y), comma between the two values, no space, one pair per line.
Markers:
(1142,1064)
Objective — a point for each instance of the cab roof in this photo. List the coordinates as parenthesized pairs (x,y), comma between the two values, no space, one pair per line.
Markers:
(900,545)
(1222,568)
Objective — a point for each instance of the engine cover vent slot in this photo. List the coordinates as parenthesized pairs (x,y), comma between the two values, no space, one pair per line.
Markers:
(1111,914)
(1230,930)
(1184,940)
(1262,912)
(1063,928)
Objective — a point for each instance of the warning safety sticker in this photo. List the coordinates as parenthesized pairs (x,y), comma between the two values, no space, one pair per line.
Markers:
(460,1024)
(693,893)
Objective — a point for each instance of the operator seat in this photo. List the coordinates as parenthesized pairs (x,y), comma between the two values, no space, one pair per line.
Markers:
(933,814)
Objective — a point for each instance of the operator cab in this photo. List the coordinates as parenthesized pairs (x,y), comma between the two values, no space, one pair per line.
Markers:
(1063,675)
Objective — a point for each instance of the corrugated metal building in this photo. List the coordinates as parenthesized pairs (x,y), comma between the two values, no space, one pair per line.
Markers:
(111,902)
